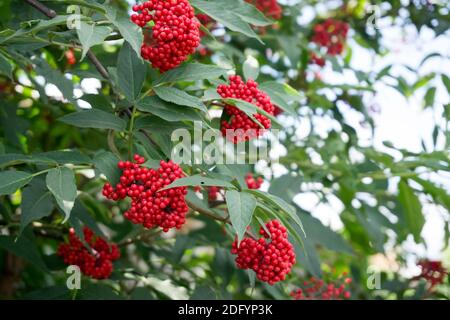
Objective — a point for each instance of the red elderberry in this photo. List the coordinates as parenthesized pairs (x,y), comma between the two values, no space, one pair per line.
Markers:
(175,33)
(270,8)
(331,34)
(271,260)
(318,289)
(95,262)
(240,126)
(70,56)
(432,271)
(150,206)
(315,59)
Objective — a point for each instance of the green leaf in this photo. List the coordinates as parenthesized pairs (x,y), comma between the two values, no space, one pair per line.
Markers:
(251,68)
(233,14)
(322,235)
(24,248)
(250,110)
(106,163)
(240,207)
(191,72)
(446,82)
(63,157)
(429,97)
(198,180)
(279,204)
(166,110)
(36,204)
(129,31)
(94,118)
(412,208)
(61,183)
(131,71)
(12,180)
(91,35)
(179,97)
(281,95)
(5,67)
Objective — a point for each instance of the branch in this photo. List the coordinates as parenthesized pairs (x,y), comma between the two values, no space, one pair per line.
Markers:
(42,8)
(52,14)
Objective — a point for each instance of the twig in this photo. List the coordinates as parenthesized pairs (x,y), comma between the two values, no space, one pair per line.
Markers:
(52,14)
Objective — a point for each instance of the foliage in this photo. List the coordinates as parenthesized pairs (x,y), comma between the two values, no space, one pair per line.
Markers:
(61,139)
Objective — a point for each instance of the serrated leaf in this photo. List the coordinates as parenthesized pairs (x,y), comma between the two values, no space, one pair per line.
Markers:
(36,204)
(129,31)
(190,72)
(412,208)
(166,110)
(61,183)
(233,14)
(94,119)
(240,207)
(179,97)
(91,35)
(25,248)
(106,163)
(131,72)
(12,180)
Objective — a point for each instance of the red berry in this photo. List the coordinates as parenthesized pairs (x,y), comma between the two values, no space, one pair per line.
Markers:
(174,36)
(240,126)
(433,272)
(330,34)
(270,8)
(272,260)
(150,206)
(317,289)
(95,262)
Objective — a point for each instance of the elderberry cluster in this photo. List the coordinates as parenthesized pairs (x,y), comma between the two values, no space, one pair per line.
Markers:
(270,8)
(95,262)
(432,271)
(175,33)
(240,126)
(271,260)
(318,289)
(151,206)
(331,35)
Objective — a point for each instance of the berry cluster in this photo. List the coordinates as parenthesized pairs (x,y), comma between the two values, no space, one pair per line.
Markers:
(272,260)
(174,36)
(270,8)
(250,180)
(432,271)
(240,127)
(315,59)
(331,35)
(95,262)
(317,289)
(150,206)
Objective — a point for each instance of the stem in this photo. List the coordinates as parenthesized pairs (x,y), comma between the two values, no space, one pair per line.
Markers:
(52,14)
(82,3)
(130,132)
(112,144)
